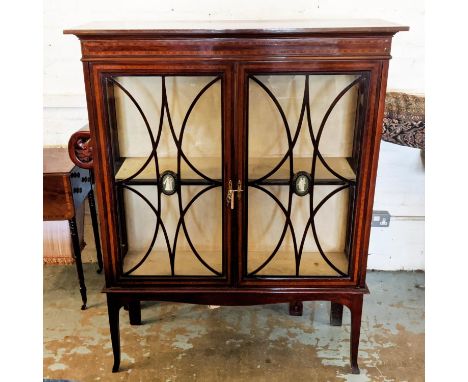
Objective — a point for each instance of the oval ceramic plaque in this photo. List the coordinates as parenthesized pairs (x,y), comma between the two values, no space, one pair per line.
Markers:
(168,182)
(301,183)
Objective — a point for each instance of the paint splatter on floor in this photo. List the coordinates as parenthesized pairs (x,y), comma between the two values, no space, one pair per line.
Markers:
(181,342)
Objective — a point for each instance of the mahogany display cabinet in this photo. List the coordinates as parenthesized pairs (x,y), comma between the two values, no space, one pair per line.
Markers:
(235,162)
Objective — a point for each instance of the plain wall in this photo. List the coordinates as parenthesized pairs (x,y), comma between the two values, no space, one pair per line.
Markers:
(400,185)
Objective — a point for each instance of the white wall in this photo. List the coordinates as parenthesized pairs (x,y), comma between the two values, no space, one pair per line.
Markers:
(399,190)
(400,187)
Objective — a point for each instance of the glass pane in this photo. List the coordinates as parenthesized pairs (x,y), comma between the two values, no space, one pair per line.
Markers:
(301,173)
(167,149)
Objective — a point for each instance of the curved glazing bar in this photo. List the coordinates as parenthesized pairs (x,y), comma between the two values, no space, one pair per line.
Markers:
(316,155)
(128,181)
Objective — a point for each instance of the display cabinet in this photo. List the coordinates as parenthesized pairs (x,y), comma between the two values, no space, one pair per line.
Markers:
(235,162)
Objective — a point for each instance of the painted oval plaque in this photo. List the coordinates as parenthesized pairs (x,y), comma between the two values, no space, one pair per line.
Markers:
(301,183)
(168,182)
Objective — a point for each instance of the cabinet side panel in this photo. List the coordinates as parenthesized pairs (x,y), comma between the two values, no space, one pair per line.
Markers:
(101,172)
(379,102)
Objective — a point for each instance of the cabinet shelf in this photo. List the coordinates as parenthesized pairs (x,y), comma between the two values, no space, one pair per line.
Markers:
(312,263)
(186,264)
(209,166)
(257,167)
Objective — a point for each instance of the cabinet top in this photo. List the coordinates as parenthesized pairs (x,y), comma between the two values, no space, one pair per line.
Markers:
(56,160)
(233,28)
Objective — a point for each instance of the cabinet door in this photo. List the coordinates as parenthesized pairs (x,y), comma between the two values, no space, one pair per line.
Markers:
(301,133)
(168,134)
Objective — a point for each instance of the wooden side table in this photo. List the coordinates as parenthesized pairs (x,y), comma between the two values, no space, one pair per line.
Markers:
(66,186)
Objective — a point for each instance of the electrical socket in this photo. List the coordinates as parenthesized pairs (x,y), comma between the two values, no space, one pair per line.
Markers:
(380,219)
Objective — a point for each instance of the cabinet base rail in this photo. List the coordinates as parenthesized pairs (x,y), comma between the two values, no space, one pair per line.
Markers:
(351,298)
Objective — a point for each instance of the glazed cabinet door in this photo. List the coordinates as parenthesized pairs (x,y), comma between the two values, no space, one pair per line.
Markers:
(302,133)
(168,133)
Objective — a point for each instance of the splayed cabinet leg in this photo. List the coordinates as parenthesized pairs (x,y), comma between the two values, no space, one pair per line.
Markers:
(356,313)
(295,308)
(113,308)
(336,314)
(134,312)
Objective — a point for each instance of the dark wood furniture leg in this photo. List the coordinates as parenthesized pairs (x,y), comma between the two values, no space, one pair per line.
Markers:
(336,314)
(79,265)
(113,308)
(92,210)
(295,308)
(134,312)
(356,313)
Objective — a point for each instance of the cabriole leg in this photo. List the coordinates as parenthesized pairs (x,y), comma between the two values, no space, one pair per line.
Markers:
(336,314)
(134,312)
(113,308)
(356,314)
(295,308)
(79,265)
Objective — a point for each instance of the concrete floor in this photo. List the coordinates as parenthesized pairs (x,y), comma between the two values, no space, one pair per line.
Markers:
(180,342)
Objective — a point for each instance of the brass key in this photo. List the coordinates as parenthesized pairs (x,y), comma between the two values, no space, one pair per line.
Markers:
(239,189)
(229,198)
